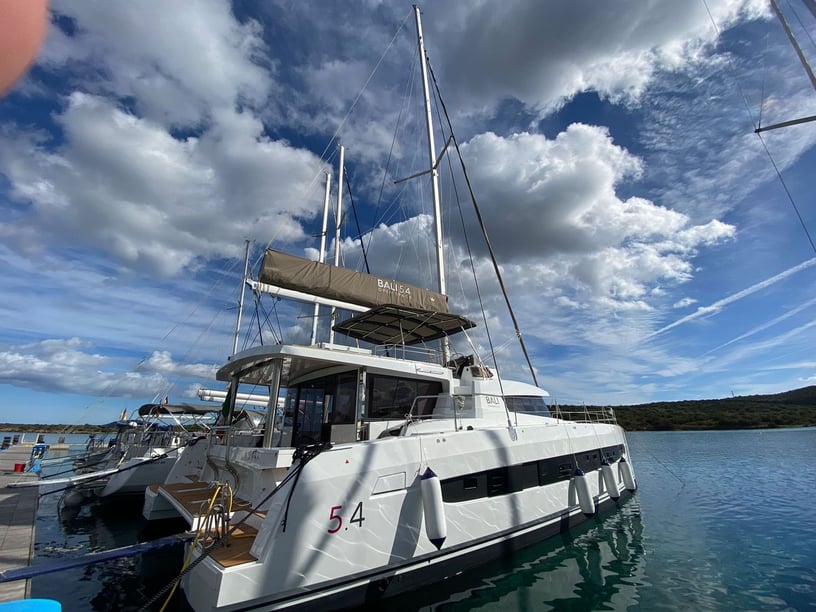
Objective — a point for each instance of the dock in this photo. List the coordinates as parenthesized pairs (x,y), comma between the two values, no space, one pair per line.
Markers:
(18,512)
(19,441)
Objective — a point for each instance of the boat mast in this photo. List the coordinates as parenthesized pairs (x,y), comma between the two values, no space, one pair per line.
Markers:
(241,300)
(440,257)
(794,43)
(781,17)
(338,218)
(322,256)
(211,395)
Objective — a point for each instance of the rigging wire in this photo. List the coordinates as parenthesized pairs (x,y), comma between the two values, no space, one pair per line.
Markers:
(277,336)
(365,85)
(468,249)
(259,307)
(401,201)
(343,121)
(357,221)
(108,390)
(484,229)
(761,140)
(762,89)
(394,212)
(788,193)
(406,97)
(801,23)
(794,43)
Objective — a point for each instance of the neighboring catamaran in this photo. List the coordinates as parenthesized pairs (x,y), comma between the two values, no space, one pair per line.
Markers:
(142,453)
(384,468)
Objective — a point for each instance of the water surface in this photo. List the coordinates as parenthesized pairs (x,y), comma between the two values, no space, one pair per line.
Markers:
(721,521)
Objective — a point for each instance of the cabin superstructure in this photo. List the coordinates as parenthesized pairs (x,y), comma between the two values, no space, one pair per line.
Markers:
(334,393)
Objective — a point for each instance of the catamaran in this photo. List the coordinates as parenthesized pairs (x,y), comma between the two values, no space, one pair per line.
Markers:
(379,469)
(143,452)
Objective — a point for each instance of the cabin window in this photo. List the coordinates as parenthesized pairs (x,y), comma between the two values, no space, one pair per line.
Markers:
(311,408)
(345,408)
(507,479)
(309,416)
(497,482)
(391,397)
(612,453)
(589,461)
(530,404)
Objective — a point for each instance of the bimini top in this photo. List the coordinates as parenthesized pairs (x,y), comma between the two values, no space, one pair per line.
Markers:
(390,324)
(177,409)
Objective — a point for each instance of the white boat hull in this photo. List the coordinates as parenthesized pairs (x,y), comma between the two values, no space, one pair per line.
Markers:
(135,474)
(367,590)
(187,468)
(355,523)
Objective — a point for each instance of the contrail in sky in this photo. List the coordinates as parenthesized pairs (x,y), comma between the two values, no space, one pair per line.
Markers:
(765,326)
(720,304)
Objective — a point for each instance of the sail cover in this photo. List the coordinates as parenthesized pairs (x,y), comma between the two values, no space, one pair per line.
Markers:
(392,324)
(315,278)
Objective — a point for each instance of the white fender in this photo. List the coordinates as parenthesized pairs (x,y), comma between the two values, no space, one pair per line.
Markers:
(582,488)
(609,480)
(435,527)
(626,474)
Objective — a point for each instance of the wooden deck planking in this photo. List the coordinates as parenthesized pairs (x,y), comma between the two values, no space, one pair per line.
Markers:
(195,498)
(236,552)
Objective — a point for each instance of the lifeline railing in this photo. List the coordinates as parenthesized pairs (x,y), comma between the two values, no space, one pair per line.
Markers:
(458,407)
(413,353)
(584,414)
(461,406)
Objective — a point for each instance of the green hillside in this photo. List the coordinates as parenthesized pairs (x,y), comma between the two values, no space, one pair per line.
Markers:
(789,409)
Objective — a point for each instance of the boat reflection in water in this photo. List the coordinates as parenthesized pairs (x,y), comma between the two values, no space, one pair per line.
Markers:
(597,566)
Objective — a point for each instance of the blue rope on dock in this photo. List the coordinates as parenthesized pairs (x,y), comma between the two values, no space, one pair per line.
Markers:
(24,573)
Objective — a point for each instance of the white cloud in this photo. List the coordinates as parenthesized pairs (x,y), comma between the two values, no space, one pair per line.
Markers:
(683,303)
(555,202)
(162,362)
(614,49)
(72,366)
(65,366)
(178,65)
(124,185)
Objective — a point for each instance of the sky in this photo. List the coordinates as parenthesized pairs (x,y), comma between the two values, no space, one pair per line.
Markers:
(653,247)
